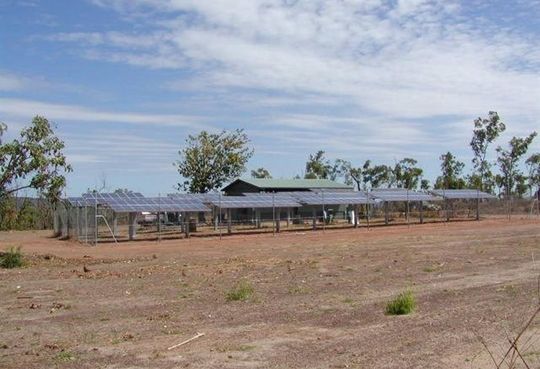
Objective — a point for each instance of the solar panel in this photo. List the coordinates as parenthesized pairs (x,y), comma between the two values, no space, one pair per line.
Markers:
(205,197)
(332,198)
(78,201)
(104,198)
(157,204)
(401,194)
(463,194)
(259,201)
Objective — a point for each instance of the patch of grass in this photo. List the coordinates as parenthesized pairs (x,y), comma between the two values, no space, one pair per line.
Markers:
(429,269)
(403,304)
(348,300)
(12,258)
(298,290)
(241,292)
(64,356)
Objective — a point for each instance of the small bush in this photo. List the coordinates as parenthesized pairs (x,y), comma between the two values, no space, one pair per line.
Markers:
(242,291)
(12,258)
(64,356)
(403,304)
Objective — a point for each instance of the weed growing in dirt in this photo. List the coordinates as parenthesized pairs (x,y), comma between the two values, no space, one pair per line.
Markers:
(403,304)
(241,292)
(64,356)
(12,258)
(298,290)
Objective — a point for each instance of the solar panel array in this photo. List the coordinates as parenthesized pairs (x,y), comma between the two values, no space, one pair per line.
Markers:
(105,198)
(463,194)
(123,202)
(255,201)
(205,197)
(156,204)
(333,198)
(401,194)
(126,202)
(79,201)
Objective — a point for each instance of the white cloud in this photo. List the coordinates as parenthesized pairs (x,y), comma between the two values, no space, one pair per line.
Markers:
(411,58)
(30,108)
(385,71)
(9,82)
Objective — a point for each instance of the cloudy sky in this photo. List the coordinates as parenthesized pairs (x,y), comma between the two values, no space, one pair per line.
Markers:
(125,81)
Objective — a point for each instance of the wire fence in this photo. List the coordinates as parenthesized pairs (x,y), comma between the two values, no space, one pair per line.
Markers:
(99,224)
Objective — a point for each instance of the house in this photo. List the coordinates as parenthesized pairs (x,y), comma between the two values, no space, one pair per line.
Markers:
(267,185)
(242,185)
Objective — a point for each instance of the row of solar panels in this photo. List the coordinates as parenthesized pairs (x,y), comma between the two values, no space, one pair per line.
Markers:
(136,202)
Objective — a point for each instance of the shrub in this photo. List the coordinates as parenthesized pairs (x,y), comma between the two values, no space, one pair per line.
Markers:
(403,304)
(241,292)
(12,258)
(64,356)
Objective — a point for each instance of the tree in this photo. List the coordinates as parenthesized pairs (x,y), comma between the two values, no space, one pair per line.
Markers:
(210,159)
(342,169)
(407,174)
(317,166)
(424,184)
(381,175)
(484,133)
(508,161)
(451,169)
(533,166)
(260,173)
(35,160)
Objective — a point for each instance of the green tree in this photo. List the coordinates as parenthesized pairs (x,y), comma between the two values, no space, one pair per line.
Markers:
(210,159)
(451,169)
(27,216)
(424,184)
(341,169)
(35,160)
(261,173)
(486,130)
(406,174)
(508,162)
(8,213)
(533,169)
(318,167)
(380,176)
(362,175)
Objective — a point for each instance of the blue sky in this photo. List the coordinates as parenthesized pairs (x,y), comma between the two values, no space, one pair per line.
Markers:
(125,81)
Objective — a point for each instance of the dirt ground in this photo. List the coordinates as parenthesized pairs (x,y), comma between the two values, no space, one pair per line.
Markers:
(318,302)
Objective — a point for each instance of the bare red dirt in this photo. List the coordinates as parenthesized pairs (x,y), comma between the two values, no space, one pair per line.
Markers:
(318,302)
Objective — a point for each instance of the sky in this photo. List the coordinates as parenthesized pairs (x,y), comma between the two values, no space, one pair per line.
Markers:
(126,81)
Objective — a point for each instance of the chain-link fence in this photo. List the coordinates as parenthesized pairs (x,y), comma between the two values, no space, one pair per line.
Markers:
(98,224)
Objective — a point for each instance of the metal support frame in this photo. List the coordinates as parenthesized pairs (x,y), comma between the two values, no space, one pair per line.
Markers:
(477,204)
(288,217)
(99,216)
(132,228)
(187,220)
(278,220)
(421,203)
(258,218)
(229,221)
(408,209)
(115,224)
